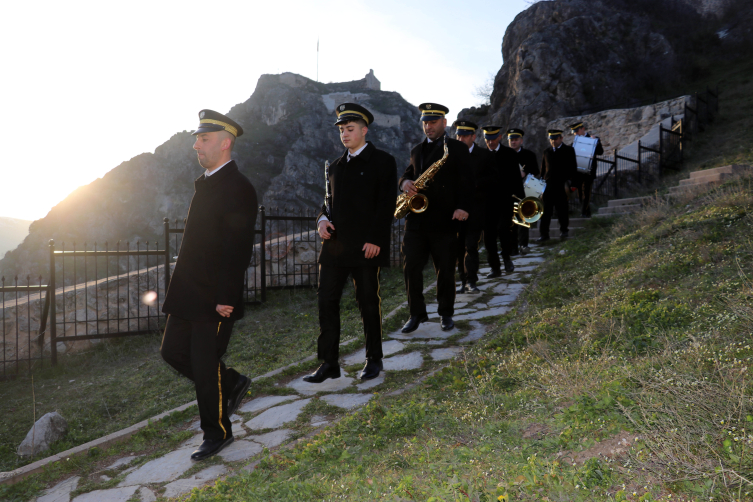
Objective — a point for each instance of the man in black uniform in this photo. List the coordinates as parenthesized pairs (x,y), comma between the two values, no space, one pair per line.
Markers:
(558,168)
(469,236)
(505,183)
(434,231)
(205,296)
(356,226)
(585,181)
(528,165)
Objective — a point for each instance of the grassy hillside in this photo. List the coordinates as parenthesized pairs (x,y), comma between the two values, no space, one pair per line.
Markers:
(621,375)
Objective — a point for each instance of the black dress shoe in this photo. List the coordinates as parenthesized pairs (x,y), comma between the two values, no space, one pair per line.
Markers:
(236,396)
(525,250)
(493,274)
(564,235)
(413,322)
(509,267)
(471,288)
(461,289)
(323,372)
(447,323)
(542,239)
(371,369)
(210,447)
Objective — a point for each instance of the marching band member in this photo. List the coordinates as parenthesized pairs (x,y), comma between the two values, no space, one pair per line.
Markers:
(558,168)
(585,181)
(528,165)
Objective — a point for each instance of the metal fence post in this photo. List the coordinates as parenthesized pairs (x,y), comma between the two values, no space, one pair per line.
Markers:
(661,150)
(166,223)
(263,254)
(639,163)
(53,314)
(616,167)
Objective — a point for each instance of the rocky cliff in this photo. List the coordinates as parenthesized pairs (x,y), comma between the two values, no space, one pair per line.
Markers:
(567,55)
(289,132)
(12,232)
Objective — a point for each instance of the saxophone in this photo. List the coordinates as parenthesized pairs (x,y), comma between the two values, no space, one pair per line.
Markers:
(419,203)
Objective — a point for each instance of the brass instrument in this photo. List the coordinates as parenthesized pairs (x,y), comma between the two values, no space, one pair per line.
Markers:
(419,203)
(527,211)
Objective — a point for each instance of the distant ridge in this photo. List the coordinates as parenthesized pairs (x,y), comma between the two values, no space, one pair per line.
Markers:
(12,233)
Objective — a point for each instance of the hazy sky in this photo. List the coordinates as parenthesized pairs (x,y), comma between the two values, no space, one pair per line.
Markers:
(88,85)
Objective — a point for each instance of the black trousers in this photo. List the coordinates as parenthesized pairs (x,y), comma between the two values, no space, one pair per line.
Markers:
(469,238)
(523,236)
(331,283)
(497,227)
(554,198)
(585,185)
(195,349)
(417,247)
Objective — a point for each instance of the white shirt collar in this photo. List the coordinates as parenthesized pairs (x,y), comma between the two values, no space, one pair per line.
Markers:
(519,149)
(351,155)
(470,150)
(497,149)
(208,174)
(432,141)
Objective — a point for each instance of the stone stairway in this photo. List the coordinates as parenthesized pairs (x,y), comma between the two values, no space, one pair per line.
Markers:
(698,180)
(554,229)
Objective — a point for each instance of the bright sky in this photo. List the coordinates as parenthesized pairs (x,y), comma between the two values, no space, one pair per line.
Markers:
(88,85)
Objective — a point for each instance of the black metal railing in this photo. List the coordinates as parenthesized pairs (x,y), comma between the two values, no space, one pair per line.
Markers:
(24,323)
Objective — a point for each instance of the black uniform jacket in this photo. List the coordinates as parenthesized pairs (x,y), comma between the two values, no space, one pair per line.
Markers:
(451,189)
(599,151)
(218,242)
(484,173)
(559,166)
(508,181)
(527,159)
(363,204)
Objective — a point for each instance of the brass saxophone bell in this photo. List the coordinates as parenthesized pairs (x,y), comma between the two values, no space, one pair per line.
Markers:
(527,211)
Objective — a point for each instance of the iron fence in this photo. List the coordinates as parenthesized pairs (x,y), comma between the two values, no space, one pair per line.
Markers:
(24,323)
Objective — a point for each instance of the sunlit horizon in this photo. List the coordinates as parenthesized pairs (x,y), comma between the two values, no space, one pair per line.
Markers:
(98,83)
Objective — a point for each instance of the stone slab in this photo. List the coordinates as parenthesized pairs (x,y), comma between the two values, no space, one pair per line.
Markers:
(279,415)
(238,431)
(240,450)
(347,401)
(194,442)
(457,312)
(425,330)
(121,461)
(477,332)
(529,268)
(235,418)
(530,258)
(446,353)
(274,438)
(509,289)
(427,342)
(467,298)
(111,495)
(196,426)
(403,362)
(502,300)
(492,312)
(317,421)
(147,495)
(368,384)
(262,403)
(388,348)
(61,492)
(181,486)
(329,385)
(161,470)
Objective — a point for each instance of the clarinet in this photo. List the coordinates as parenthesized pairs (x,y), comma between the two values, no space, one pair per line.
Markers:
(328,197)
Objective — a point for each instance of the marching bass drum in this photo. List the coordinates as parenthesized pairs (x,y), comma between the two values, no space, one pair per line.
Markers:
(533,186)
(584,152)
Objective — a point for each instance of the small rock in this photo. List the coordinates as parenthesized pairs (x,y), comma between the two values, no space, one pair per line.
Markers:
(44,432)
(317,421)
(562,251)
(411,361)
(444,354)
(121,461)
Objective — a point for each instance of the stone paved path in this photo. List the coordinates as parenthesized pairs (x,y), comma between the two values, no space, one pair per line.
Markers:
(266,422)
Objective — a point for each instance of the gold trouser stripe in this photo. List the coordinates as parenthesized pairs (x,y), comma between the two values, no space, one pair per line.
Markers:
(219,386)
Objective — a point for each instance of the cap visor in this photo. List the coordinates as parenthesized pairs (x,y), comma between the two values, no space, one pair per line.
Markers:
(207,128)
(464,132)
(429,118)
(491,136)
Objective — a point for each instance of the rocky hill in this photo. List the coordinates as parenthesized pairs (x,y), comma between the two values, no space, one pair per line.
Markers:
(289,132)
(568,55)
